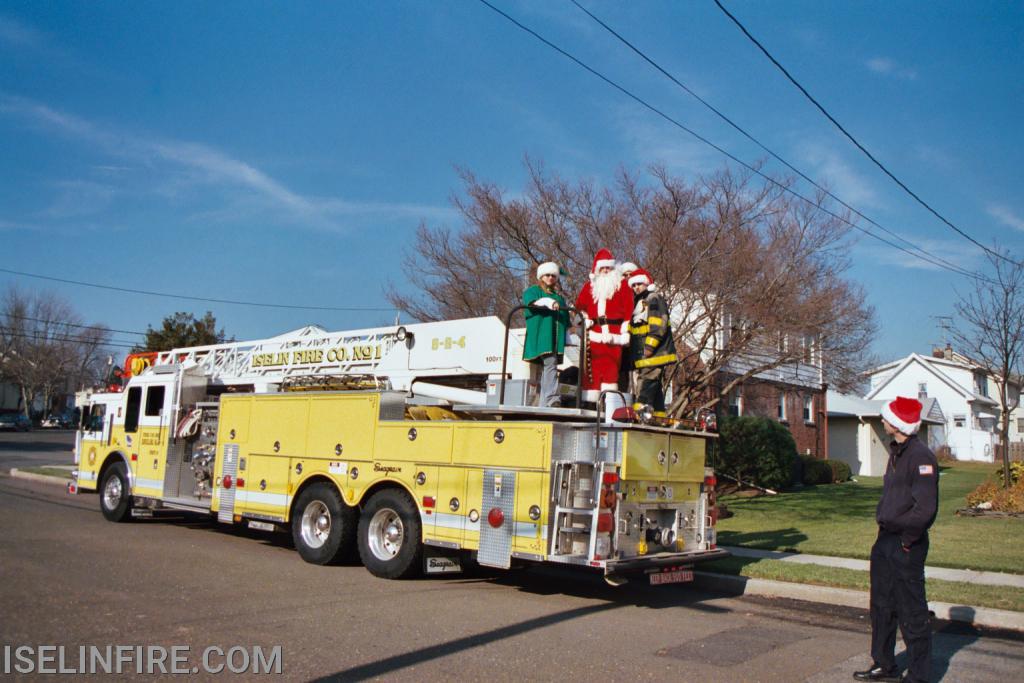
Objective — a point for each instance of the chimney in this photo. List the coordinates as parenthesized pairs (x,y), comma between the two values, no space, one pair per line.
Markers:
(948,352)
(937,352)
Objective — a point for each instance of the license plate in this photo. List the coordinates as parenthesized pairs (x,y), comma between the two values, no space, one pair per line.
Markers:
(674,576)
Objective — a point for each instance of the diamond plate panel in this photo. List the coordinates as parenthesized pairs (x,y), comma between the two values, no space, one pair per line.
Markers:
(226,511)
(496,543)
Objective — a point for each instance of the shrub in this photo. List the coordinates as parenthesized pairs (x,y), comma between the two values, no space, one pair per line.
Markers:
(1003,500)
(840,470)
(944,454)
(757,450)
(815,471)
(1016,472)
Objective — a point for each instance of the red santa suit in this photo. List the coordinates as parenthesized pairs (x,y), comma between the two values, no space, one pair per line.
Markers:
(607,302)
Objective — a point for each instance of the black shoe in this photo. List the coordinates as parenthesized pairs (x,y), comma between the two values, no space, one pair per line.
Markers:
(877,673)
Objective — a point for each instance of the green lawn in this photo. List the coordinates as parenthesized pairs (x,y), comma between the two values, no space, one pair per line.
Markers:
(976,595)
(839,520)
(49,471)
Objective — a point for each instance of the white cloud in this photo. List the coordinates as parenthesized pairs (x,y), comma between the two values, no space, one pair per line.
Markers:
(948,251)
(655,142)
(889,67)
(17,34)
(179,167)
(1005,216)
(79,198)
(828,168)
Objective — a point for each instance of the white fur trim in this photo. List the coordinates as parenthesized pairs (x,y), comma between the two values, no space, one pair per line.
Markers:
(907,428)
(604,263)
(609,386)
(628,267)
(547,268)
(637,279)
(621,339)
(602,306)
(600,337)
(591,395)
(545,302)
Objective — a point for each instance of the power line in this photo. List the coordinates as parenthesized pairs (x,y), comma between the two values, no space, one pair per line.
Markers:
(649,60)
(857,144)
(124,344)
(193,298)
(639,100)
(87,327)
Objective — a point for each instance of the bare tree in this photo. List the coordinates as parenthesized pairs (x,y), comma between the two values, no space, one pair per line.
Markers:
(992,335)
(45,348)
(750,271)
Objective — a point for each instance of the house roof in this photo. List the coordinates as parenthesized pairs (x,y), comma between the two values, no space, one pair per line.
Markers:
(848,405)
(932,365)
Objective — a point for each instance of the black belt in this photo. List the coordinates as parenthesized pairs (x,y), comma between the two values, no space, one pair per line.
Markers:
(601,320)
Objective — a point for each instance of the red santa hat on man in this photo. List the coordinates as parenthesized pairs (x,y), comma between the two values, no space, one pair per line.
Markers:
(641,276)
(603,259)
(904,414)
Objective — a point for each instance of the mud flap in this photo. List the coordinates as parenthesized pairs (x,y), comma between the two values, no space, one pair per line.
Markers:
(498,506)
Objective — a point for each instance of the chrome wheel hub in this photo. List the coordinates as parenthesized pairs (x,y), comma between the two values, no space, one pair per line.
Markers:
(112,493)
(316,524)
(386,533)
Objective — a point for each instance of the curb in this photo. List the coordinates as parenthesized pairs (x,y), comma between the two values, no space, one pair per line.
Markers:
(32,476)
(740,585)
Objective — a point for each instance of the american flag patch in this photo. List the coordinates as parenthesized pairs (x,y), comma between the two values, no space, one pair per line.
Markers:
(926,469)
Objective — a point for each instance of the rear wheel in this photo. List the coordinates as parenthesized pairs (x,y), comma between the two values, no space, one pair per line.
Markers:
(391,536)
(323,526)
(115,497)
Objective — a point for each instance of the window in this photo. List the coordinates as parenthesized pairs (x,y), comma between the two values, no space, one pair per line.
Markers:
(981,385)
(808,349)
(735,402)
(959,420)
(1020,424)
(922,390)
(808,409)
(154,401)
(782,406)
(131,412)
(92,420)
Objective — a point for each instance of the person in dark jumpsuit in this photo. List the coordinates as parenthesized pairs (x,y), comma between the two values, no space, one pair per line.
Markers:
(910,495)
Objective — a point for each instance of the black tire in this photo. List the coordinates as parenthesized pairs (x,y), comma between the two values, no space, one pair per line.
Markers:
(391,536)
(115,495)
(323,526)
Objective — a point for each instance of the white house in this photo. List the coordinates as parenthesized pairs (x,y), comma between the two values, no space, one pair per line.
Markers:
(856,435)
(961,388)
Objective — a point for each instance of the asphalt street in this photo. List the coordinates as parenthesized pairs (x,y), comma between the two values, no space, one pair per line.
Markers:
(35,448)
(71,578)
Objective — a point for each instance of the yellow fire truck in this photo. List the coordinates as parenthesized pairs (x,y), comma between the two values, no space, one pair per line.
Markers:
(413,447)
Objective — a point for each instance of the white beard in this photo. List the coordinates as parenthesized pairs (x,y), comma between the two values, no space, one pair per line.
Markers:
(605,286)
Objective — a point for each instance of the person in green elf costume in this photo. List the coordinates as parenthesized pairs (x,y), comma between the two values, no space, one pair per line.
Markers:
(546,323)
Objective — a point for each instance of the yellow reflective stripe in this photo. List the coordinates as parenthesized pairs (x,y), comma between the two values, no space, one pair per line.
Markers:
(655,361)
(660,413)
(638,406)
(653,342)
(639,329)
(655,320)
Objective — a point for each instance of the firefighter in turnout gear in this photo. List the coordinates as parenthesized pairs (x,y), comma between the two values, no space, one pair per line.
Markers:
(652,347)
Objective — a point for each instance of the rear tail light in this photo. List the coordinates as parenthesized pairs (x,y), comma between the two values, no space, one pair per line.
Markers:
(226,481)
(605,522)
(710,482)
(624,414)
(610,478)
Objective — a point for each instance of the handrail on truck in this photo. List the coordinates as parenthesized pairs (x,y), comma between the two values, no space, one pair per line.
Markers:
(554,343)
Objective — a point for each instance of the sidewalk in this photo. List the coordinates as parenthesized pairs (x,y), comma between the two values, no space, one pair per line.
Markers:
(943,573)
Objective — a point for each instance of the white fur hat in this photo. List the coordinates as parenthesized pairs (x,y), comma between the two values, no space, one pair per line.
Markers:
(547,268)
(904,414)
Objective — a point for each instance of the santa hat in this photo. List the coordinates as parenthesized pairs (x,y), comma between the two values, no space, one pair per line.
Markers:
(904,414)
(628,268)
(547,268)
(603,259)
(641,277)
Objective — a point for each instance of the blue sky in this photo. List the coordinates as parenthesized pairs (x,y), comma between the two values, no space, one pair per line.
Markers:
(285,152)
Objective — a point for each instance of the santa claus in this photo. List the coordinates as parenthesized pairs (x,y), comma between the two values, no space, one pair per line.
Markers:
(607,304)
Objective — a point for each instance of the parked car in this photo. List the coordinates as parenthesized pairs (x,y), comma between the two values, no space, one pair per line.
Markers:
(15,421)
(56,422)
